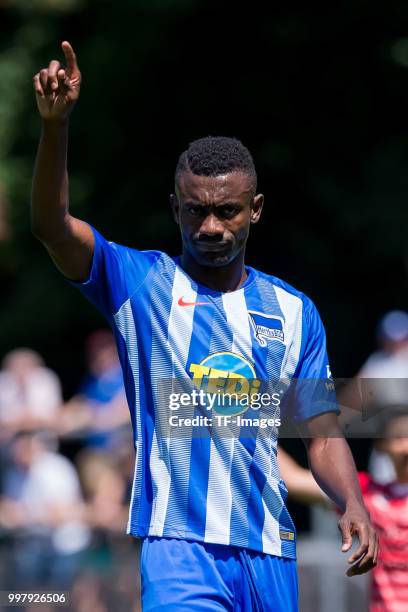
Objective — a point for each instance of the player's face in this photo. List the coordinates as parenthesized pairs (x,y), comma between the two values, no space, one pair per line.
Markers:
(214,214)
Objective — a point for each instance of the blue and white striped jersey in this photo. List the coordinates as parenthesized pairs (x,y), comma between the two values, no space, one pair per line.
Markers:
(221,489)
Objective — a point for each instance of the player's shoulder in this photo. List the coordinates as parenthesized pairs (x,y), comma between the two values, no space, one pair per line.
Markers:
(127,254)
(131,253)
(286,288)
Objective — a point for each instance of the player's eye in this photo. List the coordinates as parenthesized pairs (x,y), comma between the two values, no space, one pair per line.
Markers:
(227,212)
(195,211)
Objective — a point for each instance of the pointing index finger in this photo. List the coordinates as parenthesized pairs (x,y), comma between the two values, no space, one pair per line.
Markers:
(70,56)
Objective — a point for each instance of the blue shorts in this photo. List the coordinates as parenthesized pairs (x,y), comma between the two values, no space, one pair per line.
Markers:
(182,575)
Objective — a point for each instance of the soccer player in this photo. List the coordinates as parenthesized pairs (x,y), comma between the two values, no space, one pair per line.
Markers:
(210,509)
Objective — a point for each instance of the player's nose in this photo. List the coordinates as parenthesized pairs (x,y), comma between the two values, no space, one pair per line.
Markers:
(211,227)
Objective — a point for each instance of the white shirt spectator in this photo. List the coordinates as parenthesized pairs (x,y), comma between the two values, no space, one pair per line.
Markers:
(29,391)
(52,479)
(42,494)
(40,396)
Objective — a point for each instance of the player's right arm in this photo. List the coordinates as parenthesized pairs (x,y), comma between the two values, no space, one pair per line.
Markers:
(69,241)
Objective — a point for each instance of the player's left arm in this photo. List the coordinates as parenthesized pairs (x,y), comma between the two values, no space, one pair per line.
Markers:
(333,467)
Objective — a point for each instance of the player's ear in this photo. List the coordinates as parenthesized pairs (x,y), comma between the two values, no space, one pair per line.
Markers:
(256,207)
(175,207)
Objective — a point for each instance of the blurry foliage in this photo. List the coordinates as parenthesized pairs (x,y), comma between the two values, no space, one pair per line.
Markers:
(26,7)
(320,99)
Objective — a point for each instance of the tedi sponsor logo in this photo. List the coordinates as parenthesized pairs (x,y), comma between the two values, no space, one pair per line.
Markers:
(226,374)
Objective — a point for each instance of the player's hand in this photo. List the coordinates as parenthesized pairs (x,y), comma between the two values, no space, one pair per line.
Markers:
(57,87)
(356,521)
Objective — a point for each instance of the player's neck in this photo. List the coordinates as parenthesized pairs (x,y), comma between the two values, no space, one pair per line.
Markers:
(225,278)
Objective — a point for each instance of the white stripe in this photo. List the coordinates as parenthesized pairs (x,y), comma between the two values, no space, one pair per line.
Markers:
(180,329)
(263,457)
(219,496)
(181,320)
(237,316)
(134,484)
(161,485)
(126,326)
(292,308)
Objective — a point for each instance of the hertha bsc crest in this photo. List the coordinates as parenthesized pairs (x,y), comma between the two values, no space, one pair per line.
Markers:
(266,327)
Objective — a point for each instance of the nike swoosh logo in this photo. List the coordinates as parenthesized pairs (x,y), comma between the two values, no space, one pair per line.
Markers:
(181,302)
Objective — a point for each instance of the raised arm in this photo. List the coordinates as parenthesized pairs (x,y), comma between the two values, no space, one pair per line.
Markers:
(68,240)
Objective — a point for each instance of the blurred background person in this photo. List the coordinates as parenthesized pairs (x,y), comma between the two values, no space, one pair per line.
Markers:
(105,491)
(380,384)
(99,411)
(389,364)
(30,394)
(41,506)
(388,507)
(106,479)
(391,359)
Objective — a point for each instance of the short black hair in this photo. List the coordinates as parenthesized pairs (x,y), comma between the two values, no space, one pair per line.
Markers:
(215,155)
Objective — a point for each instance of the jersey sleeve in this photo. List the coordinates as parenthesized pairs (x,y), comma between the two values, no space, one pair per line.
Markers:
(116,273)
(313,385)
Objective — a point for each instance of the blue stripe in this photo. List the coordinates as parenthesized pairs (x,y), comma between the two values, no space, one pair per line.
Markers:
(144,346)
(221,333)
(270,305)
(288,547)
(127,375)
(255,512)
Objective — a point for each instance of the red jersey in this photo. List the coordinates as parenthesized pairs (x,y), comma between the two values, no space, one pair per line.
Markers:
(388,508)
